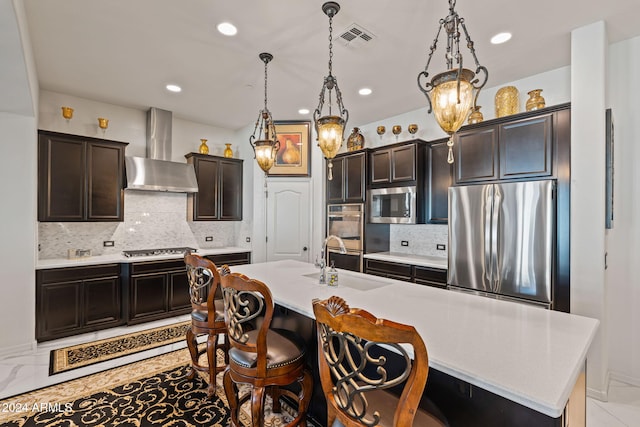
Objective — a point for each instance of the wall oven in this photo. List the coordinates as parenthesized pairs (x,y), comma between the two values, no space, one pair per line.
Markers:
(392,205)
(347,222)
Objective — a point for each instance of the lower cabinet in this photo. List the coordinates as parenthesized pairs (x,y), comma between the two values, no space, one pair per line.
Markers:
(75,300)
(238,258)
(429,276)
(157,289)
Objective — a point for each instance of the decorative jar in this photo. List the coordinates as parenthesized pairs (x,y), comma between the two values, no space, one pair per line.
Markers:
(355,140)
(228,152)
(204,149)
(507,102)
(535,101)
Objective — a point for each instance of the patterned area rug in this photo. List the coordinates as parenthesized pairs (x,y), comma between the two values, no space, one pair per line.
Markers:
(77,356)
(152,392)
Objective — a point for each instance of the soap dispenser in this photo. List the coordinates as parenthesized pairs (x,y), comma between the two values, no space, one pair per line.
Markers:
(333,275)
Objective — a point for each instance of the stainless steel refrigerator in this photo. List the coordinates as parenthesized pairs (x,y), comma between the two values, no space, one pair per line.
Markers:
(502,240)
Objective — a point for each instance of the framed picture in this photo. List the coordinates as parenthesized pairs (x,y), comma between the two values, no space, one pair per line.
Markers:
(609,170)
(294,154)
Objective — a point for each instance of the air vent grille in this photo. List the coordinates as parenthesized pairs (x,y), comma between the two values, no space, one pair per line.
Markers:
(355,35)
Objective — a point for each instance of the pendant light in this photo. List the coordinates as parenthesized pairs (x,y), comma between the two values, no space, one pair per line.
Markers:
(453,93)
(330,128)
(264,140)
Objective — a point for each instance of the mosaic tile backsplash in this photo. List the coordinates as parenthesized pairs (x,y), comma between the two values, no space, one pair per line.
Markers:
(151,220)
(422,239)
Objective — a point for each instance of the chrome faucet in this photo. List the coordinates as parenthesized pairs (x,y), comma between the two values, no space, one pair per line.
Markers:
(323,257)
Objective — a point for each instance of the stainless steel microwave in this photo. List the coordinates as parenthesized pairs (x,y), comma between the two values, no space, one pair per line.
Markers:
(392,205)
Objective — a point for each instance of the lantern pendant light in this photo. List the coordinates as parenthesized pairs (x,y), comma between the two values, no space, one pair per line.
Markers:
(330,128)
(264,140)
(453,93)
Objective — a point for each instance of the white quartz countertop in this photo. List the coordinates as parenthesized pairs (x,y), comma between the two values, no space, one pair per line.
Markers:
(119,258)
(422,260)
(526,354)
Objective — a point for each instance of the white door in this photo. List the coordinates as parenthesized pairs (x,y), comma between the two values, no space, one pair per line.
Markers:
(288,220)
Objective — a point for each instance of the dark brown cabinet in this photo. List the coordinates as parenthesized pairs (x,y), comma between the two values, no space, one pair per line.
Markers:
(420,275)
(238,258)
(157,289)
(79,178)
(75,300)
(349,178)
(219,196)
(439,179)
(505,149)
(395,164)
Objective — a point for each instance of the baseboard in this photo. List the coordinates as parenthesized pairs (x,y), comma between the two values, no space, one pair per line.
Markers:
(623,378)
(17,350)
(601,395)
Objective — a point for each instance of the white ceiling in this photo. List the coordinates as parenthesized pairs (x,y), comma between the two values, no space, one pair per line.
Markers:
(124,52)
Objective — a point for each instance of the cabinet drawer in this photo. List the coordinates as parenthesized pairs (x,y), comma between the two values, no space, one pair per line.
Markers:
(388,269)
(157,266)
(231,259)
(78,273)
(430,276)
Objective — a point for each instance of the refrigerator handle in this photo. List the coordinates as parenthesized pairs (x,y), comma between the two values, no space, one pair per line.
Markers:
(495,217)
(488,204)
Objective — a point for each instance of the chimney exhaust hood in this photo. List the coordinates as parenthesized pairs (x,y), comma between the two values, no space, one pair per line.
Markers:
(157,172)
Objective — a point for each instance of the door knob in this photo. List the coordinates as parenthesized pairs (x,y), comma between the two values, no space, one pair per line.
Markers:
(304,248)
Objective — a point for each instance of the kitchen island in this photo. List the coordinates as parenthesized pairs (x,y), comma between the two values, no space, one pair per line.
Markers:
(502,351)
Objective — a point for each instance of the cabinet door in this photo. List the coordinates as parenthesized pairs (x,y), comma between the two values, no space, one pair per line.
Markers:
(526,148)
(335,187)
(206,200)
(476,156)
(102,303)
(61,180)
(380,166)
(148,297)
(230,190)
(440,177)
(104,182)
(354,178)
(403,163)
(179,299)
(59,309)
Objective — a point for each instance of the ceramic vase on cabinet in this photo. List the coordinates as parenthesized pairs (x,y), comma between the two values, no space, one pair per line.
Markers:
(535,101)
(507,102)
(204,149)
(355,140)
(228,152)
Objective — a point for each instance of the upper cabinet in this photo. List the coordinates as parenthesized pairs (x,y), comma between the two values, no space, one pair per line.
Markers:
(397,164)
(349,178)
(521,146)
(79,178)
(439,178)
(219,196)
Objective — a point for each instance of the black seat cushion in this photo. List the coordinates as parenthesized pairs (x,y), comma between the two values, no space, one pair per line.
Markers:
(201,315)
(283,348)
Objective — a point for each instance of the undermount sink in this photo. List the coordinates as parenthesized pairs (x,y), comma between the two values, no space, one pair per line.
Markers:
(354,282)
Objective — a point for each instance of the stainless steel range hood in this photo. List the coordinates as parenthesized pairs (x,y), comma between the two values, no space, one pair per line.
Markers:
(157,172)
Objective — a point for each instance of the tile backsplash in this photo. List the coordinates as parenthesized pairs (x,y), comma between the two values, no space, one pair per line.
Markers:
(422,239)
(151,220)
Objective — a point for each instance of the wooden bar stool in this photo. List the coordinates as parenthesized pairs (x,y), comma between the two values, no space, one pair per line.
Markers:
(355,379)
(264,358)
(207,318)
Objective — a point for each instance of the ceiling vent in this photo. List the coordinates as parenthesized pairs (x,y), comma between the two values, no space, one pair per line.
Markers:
(355,35)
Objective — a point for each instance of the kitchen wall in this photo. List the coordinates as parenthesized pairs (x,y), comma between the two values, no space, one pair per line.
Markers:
(151,219)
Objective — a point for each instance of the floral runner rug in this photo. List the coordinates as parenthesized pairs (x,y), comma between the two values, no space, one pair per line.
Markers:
(77,356)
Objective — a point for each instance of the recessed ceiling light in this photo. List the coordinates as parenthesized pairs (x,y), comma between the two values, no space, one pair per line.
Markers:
(173,88)
(365,91)
(501,38)
(303,111)
(227,28)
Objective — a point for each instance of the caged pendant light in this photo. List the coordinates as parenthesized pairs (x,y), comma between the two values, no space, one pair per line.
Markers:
(330,128)
(453,93)
(264,140)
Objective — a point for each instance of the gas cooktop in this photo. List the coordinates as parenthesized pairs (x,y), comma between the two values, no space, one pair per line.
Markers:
(159,251)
